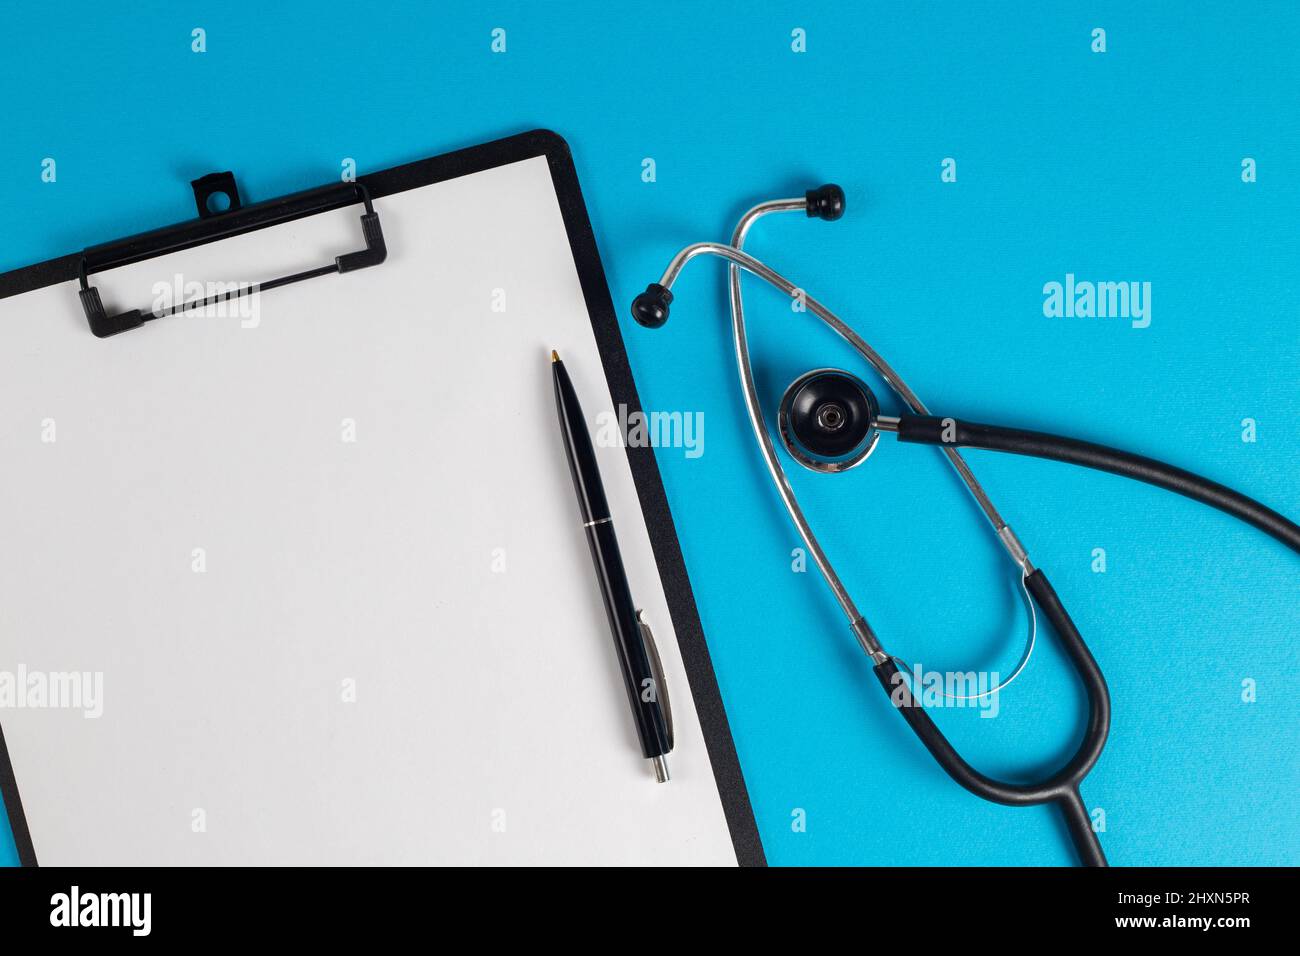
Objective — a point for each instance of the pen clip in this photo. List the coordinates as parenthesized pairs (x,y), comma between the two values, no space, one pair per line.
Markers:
(661,683)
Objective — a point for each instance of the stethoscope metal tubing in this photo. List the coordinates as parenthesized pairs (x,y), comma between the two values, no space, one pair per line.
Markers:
(738,260)
(862,630)
(1061,787)
(741,260)
(759,425)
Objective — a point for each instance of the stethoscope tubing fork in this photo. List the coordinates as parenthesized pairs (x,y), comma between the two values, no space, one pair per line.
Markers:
(1061,787)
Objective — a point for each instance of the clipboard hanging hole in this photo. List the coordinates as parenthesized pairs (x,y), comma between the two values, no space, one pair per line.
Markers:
(215,194)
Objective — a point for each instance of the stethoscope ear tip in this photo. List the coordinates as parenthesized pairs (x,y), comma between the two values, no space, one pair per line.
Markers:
(650,308)
(825,202)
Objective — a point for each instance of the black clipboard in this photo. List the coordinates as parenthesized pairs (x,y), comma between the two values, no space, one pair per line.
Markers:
(213,226)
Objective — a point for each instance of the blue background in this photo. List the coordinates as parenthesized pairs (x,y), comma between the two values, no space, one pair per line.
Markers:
(1116,166)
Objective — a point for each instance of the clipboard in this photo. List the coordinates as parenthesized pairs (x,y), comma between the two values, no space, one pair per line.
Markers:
(123,396)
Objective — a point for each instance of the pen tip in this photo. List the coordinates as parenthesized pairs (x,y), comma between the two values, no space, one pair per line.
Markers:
(555,356)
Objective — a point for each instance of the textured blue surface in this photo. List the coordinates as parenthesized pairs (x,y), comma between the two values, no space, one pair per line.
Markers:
(1123,165)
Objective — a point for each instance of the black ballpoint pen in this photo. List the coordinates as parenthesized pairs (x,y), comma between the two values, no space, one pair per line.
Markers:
(637,656)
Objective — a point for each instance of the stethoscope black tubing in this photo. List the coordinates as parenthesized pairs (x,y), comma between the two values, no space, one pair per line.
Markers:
(935,430)
(1061,787)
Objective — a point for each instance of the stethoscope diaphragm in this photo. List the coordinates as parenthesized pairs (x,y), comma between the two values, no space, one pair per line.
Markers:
(827,420)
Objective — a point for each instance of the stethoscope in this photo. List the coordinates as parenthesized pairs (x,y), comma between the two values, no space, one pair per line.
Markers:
(829,421)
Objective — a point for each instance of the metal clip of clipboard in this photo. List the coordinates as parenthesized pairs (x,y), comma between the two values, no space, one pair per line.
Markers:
(213,225)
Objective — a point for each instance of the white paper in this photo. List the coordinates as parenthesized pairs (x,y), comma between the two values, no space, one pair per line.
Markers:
(436,562)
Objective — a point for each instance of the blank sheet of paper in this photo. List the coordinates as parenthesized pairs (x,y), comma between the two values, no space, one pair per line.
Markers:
(327,558)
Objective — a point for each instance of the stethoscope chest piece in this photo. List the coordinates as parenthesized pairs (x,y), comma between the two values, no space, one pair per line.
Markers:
(827,420)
